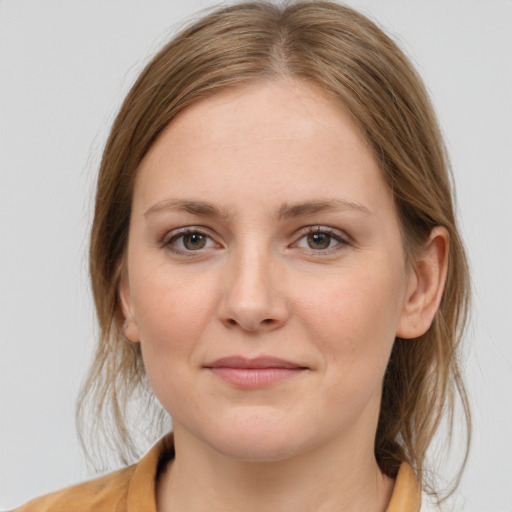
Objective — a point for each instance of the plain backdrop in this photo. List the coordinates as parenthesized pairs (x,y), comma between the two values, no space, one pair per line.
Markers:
(65,66)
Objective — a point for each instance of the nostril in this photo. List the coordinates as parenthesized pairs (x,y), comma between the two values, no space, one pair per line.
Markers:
(266,321)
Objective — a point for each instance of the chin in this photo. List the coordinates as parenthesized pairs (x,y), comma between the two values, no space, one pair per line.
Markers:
(259,441)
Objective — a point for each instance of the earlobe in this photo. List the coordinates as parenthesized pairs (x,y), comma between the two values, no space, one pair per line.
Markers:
(426,286)
(129,328)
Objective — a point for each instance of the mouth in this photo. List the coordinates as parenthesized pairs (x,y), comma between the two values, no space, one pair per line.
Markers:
(254,373)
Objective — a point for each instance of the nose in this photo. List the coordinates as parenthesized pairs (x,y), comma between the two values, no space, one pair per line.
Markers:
(253,296)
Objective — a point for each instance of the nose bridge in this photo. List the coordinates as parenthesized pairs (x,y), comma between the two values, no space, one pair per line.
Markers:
(253,298)
(253,274)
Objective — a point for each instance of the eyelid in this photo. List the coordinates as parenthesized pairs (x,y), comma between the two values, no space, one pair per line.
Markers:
(343,238)
(319,228)
(175,234)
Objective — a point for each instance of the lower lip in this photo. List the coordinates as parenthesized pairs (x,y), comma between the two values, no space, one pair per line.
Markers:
(253,378)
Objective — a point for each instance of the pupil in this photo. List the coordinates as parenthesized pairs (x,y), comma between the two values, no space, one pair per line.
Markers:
(194,241)
(319,241)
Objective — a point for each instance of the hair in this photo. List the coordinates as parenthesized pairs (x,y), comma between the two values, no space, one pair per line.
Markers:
(345,55)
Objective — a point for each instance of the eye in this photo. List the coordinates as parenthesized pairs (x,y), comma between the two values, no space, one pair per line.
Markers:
(321,239)
(189,241)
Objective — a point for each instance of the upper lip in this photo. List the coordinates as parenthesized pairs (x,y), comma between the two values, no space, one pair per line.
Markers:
(252,363)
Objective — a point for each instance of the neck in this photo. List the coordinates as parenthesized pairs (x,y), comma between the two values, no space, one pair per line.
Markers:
(330,477)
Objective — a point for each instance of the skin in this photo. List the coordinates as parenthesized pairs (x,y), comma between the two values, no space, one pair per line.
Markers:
(254,283)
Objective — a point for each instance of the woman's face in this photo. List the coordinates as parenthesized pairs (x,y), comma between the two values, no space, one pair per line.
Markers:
(266,278)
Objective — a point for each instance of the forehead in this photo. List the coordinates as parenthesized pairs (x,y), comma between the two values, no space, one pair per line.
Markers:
(282,139)
(282,99)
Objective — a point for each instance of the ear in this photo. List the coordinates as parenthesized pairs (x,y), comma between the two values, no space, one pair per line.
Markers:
(130,328)
(425,285)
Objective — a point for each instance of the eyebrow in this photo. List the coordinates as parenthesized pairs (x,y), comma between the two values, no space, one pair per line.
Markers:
(311,207)
(286,211)
(200,208)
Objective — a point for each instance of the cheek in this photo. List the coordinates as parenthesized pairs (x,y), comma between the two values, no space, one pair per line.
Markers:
(353,318)
(171,313)
(172,316)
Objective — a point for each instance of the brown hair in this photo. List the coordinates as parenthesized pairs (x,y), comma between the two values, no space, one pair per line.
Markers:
(351,59)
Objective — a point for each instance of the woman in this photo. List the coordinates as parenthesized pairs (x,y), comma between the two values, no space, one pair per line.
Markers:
(274,257)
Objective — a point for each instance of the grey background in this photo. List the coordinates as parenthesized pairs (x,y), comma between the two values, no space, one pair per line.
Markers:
(64,68)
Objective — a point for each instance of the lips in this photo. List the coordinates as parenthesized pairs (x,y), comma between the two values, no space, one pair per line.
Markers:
(254,373)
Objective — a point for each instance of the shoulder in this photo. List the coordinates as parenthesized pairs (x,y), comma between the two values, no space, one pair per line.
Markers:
(107,493)
(131,489)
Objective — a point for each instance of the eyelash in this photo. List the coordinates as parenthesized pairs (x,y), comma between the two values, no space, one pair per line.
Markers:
(174,236)
(342,241)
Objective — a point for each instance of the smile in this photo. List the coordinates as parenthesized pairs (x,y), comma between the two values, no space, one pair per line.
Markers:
(254,373)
